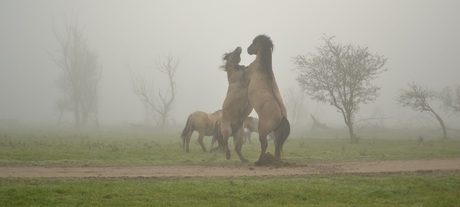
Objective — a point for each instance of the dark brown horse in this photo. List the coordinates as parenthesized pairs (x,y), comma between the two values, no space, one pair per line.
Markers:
(236,105)
(201,122)
(265,97)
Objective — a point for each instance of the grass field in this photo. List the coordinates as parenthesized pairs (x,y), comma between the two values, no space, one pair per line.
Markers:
(399,189)
(54,148)
(144,148)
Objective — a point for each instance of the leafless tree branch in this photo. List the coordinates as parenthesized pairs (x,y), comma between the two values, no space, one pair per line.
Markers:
(340,75)
(418,98)
(161,102)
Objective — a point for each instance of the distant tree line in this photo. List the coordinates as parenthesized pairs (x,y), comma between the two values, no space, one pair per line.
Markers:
(79,77)
(337,74)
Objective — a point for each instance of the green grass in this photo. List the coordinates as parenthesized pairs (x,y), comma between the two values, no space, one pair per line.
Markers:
(144,148)
(54,148)
(395,189)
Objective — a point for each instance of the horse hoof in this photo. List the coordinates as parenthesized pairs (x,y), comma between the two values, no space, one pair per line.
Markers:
(244,160)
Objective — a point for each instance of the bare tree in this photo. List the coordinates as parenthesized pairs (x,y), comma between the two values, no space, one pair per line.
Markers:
(317,124)
(418,98)
(80,74)
(158,104)
(340,75)
(451,99)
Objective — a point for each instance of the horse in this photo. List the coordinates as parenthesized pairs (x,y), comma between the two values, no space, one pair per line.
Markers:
(265,98)
(236,105)
(201,122)
(250,125)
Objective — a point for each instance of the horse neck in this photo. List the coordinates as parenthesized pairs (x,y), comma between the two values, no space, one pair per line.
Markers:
(264,58)
(234,75)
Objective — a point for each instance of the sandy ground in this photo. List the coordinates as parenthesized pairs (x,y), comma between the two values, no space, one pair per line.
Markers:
(233,171)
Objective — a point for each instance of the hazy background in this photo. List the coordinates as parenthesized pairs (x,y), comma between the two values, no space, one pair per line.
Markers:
(421,40)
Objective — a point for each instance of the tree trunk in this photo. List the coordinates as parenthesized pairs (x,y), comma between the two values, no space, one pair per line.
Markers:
(441,122)
(84,115)
(163,120)
(353,138)
(349,123)
(96,119)
(77,114)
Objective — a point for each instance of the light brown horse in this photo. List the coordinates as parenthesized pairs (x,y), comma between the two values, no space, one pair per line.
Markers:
(250,125)
(265,97)
(236,105)
(201,122)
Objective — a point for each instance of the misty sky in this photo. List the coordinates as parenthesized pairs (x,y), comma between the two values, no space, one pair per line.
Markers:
(421,40)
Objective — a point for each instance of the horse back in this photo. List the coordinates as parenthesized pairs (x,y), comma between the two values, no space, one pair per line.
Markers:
(278,97)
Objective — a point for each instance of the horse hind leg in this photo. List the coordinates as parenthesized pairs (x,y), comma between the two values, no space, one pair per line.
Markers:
(200,140)
(225,134)
(281,134)
(238,138)
(217,137)
(263,147)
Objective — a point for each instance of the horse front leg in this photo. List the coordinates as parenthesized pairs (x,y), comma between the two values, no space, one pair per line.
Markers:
(263,147)
(213,141)
(186,142)
(200,140)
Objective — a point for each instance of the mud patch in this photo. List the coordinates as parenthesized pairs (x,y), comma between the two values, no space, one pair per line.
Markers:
(272,168)
(269,160)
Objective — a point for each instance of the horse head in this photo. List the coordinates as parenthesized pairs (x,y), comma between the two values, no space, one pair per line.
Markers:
(260,43)
(232,59)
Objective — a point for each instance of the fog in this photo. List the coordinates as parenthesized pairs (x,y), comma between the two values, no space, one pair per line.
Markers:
(419,38)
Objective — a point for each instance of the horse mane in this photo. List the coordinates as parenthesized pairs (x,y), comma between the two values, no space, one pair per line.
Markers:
(225,58)
(265,44)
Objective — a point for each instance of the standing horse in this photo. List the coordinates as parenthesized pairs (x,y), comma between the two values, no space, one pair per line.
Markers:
(201,122)
(236,105)
(250,125)
(265,97)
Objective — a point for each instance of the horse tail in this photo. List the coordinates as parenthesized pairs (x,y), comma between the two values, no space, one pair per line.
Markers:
(217,135)
(187,128)
(281,134)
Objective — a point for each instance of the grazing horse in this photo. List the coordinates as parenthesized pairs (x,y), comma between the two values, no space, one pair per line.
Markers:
(236,105)
(265,97)
(250,125)
(201,122)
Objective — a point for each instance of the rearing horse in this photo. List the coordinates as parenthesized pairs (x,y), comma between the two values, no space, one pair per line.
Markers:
(236,107)
(265,97)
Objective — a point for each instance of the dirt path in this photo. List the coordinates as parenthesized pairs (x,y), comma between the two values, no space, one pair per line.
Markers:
(219,171)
